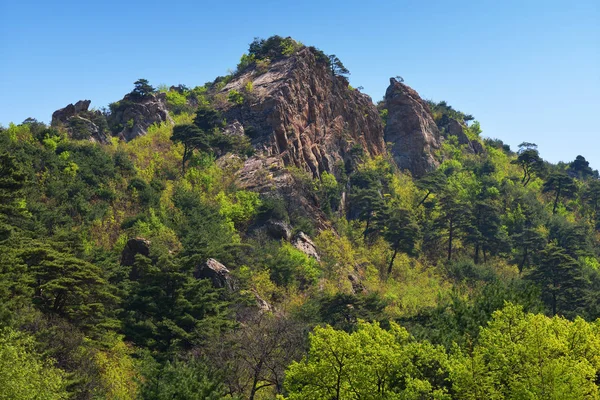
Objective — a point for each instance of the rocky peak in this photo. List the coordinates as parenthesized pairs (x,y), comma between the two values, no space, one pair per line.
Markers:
(82,123)
(132,116)
(298,110)
(411,129)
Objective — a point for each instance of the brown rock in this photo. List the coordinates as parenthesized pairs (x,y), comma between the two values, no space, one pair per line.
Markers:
(411,129)
(301,113)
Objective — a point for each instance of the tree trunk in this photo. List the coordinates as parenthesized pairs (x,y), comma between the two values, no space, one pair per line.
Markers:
(476,256)
(522,263)
(450,232)
(424,198)
(392,260)
(556,201)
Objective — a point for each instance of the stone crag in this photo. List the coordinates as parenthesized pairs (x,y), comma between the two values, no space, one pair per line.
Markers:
(411,129)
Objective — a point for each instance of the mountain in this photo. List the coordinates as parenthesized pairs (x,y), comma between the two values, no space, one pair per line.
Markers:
(275,234)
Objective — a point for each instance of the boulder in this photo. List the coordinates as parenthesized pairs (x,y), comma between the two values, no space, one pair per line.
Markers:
(279,230)
(411,129)
(216,272)
(133,247)
(63,115)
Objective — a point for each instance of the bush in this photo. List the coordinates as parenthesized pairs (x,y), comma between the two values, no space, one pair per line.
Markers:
(235,97)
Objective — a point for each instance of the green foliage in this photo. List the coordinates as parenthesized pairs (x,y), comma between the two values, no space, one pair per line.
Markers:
(235,97)
(273,48)
(23,375)
(142,89)
(522,355)
(369,363)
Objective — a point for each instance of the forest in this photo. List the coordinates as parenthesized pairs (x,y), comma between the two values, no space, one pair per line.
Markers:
(477,280)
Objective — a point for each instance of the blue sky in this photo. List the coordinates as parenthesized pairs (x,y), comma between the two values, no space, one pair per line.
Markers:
(528,70)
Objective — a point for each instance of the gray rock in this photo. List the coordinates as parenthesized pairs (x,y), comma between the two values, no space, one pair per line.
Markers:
(216,272)
(137,115)
(411,129)
(303,243)
(279,230)
(79,123)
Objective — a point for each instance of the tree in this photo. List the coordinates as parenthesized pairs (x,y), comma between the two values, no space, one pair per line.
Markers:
(455,217)
(529,160)
(371,363)
(192,139)
(253,357)
(562,185)
(580,168)
(591,197)
(23,374)
(517,356)
(336,66)
(432,183)
(560,279)
(142,89)
(401,231)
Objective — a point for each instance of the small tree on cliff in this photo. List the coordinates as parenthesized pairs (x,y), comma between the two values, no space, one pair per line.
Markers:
(192,138)
(142,89)
(336,66)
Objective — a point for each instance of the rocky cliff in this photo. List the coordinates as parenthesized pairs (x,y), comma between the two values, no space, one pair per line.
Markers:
(297,110)
(411,129)
(82,123)
(132,116)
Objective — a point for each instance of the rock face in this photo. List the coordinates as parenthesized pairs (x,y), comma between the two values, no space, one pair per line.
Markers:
(135,116)
(299,111)
(134,247)
(411,129)
(304,243)
(216,272)
(455,128)
(81,123)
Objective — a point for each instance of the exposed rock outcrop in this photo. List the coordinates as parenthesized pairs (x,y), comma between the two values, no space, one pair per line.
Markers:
(133,247)
(135,115)
(299,111)
(455,128)
(81,123)
(411,129)
(304,243)
(216,272)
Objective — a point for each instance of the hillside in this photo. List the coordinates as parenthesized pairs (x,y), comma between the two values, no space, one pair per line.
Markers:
(276,234)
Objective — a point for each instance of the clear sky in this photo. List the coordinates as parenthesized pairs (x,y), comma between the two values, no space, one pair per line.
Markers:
(528,70)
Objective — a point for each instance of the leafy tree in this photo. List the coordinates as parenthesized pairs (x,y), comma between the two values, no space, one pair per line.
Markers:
(562,185)
(517,356)
(23,374)
(336,66)
(192,139)
(369,363)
